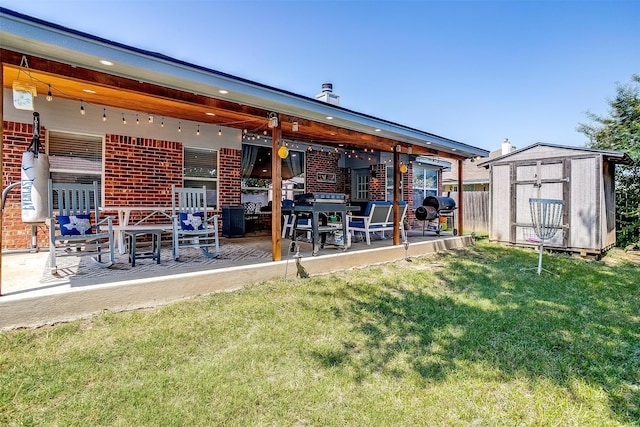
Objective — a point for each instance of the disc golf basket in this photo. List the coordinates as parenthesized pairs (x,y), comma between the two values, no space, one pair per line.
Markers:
(546,215)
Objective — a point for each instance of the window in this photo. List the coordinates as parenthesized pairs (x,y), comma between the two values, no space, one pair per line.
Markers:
(201,168)
(362,184)
(75,158)
(425,183)
(389,188)
(256,174)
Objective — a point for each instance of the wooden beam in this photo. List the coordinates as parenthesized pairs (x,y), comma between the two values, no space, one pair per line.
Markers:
(397,195)
(1,164)
(460,199)
(276,201)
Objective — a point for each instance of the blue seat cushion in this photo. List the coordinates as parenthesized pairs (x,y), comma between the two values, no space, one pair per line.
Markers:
(357,222)
(192,221)
(75,225)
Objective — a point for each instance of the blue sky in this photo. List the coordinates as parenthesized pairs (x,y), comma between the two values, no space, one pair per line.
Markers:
(473,71)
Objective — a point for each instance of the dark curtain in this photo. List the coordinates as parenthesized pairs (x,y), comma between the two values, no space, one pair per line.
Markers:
(292,165)
(249,156)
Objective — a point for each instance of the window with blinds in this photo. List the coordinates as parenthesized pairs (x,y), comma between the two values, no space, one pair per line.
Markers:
(201,168)
(75,158)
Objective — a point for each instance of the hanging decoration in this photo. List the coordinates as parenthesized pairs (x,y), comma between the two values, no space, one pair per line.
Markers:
(24,92)
(283,152)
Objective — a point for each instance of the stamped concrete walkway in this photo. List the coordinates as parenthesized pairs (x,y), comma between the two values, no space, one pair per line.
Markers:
(32,297)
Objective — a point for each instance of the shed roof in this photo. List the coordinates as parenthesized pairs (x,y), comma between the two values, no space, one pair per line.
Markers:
(554,150)
(169,86)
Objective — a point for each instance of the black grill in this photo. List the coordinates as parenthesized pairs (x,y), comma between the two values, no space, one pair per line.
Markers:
(426,213)
(310,198)
(433,209)
(442,204)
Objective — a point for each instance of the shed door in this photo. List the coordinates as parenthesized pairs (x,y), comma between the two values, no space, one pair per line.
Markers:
(542,179)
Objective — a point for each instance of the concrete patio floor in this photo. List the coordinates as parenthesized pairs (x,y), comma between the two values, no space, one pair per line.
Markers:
(32,296)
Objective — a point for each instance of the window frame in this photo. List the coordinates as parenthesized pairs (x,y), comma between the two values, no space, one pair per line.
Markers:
(79,172)
(204,180)
(426,191)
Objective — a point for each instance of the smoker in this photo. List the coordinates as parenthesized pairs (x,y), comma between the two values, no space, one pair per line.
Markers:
(433,211)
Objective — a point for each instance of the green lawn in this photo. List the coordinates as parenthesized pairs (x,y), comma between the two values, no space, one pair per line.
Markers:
(459,339)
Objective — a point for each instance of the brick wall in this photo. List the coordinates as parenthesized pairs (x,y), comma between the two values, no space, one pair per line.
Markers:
(407,196)
(377,190)
(344,181)
(229,177)
(322,161)
(140,172)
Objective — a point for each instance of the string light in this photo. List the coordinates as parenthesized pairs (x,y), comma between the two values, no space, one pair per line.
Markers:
(150,118)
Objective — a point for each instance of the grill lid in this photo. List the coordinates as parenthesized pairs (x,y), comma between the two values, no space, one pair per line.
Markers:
(426,213)
(440,203)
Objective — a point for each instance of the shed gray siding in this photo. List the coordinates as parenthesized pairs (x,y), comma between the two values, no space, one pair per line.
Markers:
(582,178)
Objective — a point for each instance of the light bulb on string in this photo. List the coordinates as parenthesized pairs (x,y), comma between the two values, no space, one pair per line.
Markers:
(104,115)
(150,119)
(162,123)
(137,120)
(124,121)
(198,131)
(82,111)
(219,132)
(49,96)
(179,127)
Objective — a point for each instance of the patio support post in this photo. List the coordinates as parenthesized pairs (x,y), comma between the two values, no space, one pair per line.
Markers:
(460,198)
(276,186)
(1,162)
(397,195)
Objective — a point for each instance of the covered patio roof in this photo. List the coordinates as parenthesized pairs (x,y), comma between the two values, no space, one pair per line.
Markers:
(73,63)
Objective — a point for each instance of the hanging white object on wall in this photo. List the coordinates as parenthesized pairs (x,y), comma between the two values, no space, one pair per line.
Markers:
(23,94)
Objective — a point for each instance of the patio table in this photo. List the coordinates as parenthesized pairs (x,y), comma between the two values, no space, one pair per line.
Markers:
(124,213)
(132,245)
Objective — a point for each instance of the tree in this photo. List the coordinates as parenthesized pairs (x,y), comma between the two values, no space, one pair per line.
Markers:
(620,131)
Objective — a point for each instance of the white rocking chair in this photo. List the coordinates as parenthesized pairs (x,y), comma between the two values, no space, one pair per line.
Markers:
(192,225)
(76,228)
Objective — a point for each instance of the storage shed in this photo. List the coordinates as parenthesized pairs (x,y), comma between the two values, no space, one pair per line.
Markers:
(582,178)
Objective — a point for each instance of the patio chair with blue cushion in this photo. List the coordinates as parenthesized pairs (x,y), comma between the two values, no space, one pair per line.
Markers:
(193,226)
(374,219)
(75,226)
(377,218)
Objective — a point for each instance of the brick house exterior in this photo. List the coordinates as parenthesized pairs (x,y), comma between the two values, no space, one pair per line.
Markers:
(140,172)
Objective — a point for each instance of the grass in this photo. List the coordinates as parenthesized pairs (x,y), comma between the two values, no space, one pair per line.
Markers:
(456,339)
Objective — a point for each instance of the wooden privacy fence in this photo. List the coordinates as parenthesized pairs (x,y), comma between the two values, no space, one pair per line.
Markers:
(475,210)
